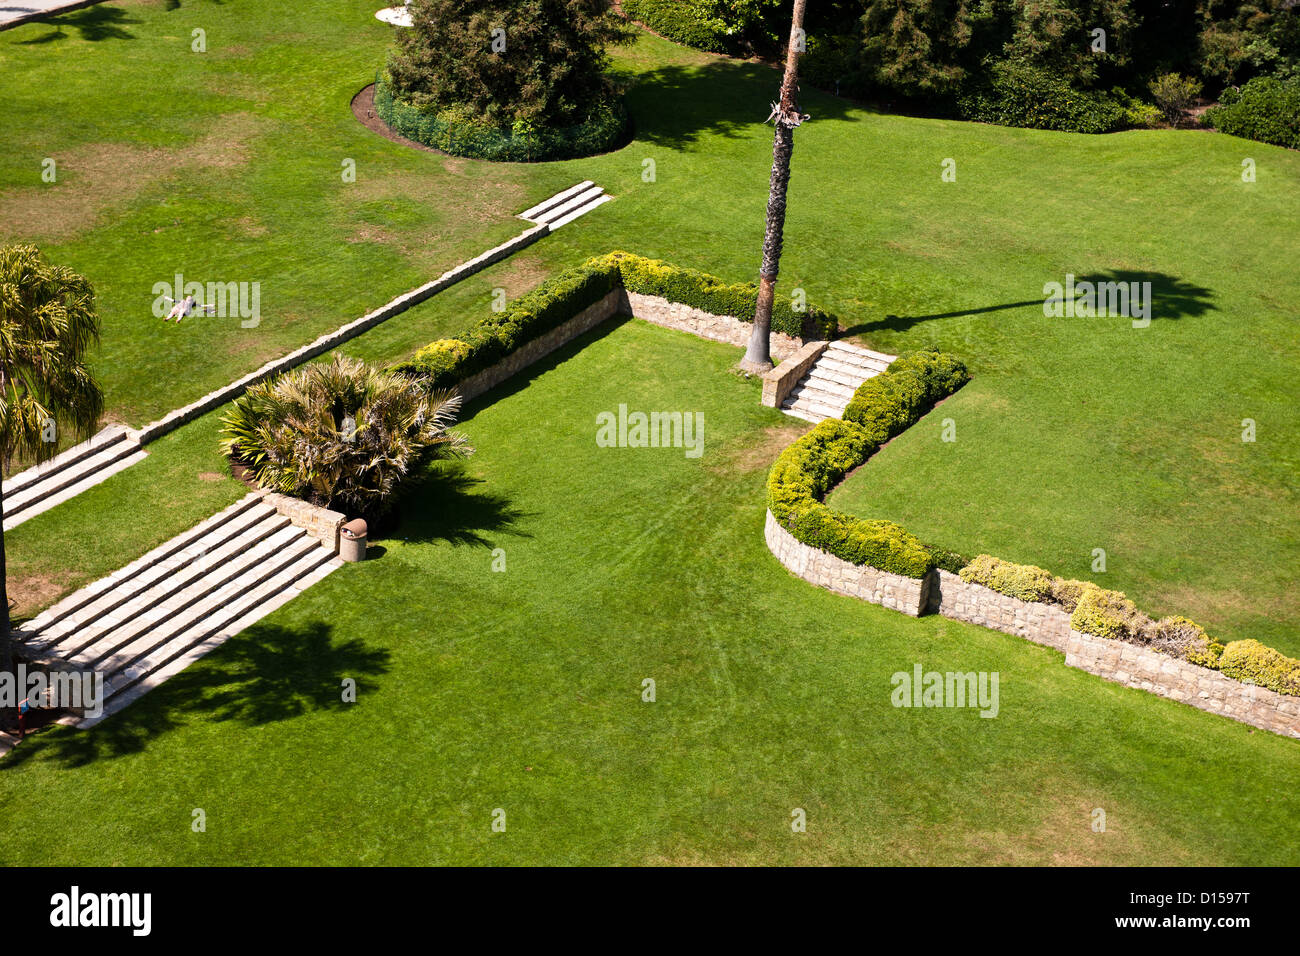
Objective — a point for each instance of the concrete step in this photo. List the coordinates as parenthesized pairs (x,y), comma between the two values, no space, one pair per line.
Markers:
(842,363)
(818,379)
(30,633)
(532,213)
(36,497)
(881,358)
(812,402)
(121,651)
(160,567)
(835,373)
(173,656)
(553,215)
(66,458)
(580,211)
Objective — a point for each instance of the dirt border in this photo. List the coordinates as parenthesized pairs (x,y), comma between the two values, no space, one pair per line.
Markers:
(363,108)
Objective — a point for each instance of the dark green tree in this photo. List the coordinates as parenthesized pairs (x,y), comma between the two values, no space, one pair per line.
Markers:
(539,62)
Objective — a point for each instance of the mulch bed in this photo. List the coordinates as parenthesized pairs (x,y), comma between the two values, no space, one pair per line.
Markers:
(363,108)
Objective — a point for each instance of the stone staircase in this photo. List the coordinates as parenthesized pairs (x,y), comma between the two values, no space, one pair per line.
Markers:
(69,473)
(153,618)
(825,390)
(567,205)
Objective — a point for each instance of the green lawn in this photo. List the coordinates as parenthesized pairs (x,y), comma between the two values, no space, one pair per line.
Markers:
(521,689)
(1075,434)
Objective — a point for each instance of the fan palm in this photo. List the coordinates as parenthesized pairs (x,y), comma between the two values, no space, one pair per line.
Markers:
(47,322)
(342,434)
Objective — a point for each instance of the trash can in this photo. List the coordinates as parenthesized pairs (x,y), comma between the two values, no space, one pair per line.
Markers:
(352,541)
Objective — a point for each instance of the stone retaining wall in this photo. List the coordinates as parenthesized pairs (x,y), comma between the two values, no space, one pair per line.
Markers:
(780,382)
(843,577)
(717,328)
(964,601)
(1143,668)
(321,523)
(540,347)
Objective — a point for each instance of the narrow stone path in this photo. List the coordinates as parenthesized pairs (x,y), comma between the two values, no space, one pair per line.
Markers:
(69,473)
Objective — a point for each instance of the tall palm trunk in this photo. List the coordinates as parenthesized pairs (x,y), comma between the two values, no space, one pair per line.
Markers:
(6,644)
(785,113)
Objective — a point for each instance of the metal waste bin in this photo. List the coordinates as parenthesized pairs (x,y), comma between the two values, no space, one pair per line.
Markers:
(352,540)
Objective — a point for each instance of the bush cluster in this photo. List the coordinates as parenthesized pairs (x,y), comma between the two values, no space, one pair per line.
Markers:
(1254,662)
(690,22)
(461,131)
(1023,581)
(811,466)
(1016,94)
(1266,109)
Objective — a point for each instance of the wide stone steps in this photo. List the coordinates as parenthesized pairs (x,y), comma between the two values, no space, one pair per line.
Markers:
(69,473)
(149,620)
(828,386)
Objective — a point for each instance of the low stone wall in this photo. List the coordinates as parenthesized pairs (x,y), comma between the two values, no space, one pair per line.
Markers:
(540,347)
(843,577)
(1145,669)
(778,383)
(717,328)
(964,601)
(321,523)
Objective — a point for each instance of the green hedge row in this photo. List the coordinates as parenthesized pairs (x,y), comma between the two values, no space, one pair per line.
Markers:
(690,22)
(1265,109)
(804,473)
(462,133)
(1015,94)
(448,361)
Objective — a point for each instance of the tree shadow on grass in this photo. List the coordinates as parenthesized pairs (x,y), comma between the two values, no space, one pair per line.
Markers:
(676,105)
(93,23)
(450,505)
(267,674)
(1171,298)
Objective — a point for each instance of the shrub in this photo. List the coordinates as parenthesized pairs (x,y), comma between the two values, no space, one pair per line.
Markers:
(888,404)
(1174,94)
(691,22)
(1265,109)
(711,294)
(341,434)
(947,560)
(1066,592)
(550,72)
(1107,614)
(1137,114)
(1252,661)
(460,131)
(1180,637)
(1015,94)
(1023,581)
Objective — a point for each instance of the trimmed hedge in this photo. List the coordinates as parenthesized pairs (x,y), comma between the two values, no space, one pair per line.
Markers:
(1107,614)
(462,133)
(690,22)
(1015,94)
(708,293)
(1254,662)
(1023,581)
(815,463)
(1265,109)
(448,361)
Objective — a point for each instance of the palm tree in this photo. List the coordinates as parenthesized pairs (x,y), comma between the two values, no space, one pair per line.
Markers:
(47,322)
(786,116)
(342,433)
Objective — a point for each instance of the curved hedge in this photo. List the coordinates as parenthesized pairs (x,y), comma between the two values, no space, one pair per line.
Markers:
(448,361)
(461,133)
(808,469)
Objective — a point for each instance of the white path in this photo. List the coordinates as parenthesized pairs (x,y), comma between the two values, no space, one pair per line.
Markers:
(12,14)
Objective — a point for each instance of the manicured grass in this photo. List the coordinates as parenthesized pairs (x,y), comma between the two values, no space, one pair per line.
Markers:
(521,689)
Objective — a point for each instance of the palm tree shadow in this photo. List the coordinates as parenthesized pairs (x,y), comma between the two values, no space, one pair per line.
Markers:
(268,673)
(1170,298)
(93,23)
(448,504)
